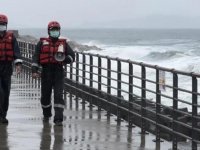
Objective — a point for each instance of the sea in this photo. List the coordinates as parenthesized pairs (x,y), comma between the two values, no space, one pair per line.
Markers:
(172,48)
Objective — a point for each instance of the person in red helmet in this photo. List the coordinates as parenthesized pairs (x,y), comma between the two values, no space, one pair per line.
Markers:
(9,53)
(52,53)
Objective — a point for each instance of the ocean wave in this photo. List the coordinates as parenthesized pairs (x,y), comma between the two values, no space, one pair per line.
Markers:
(155,56)
(193,68)
(165,42)
(94,43)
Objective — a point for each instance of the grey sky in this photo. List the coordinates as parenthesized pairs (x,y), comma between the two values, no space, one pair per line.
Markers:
(103,13)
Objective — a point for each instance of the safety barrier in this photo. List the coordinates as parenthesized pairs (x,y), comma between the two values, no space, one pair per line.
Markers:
(160,100)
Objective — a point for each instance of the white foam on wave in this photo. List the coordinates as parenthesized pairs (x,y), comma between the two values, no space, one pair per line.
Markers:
(164,56)
(177,58)
(94,43)
(125,52)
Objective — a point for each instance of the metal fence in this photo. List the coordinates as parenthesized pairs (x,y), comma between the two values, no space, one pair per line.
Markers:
(160,100)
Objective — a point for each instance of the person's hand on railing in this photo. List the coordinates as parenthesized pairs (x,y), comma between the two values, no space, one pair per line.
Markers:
(18,69)
(35,75)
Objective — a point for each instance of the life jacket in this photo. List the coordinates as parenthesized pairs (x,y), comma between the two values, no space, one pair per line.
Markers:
(49,49)
(6,47)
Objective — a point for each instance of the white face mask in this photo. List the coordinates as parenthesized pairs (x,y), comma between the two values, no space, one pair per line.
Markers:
(54,33)
(3,27)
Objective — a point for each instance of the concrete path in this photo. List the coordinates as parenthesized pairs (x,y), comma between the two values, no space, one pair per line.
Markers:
(82,129)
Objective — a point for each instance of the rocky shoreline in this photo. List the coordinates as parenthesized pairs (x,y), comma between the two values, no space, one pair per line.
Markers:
(73,44)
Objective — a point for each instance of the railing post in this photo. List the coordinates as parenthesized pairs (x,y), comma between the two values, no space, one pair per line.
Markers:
(71,71)
(91,79)
(158,109)
(119,96)
(71,78)
(83,80)
(143,95)
(99,79)
(175,107)
(108,86)
(77,79)
(194,112)
(130,123)
(77,67)
(91,71)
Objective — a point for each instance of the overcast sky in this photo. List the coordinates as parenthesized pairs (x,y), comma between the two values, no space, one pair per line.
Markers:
(103,13)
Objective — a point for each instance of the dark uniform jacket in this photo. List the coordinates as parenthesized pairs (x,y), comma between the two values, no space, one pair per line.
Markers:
(70,57)
(6,67)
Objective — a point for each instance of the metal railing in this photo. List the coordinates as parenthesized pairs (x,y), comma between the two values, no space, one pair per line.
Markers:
(160,100)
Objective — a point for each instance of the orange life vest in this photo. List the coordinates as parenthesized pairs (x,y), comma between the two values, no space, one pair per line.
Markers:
(49,49)
(6,47)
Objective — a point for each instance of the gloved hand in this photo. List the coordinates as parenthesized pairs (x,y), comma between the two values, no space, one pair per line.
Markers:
(18,68)
(69,59)
(35,75)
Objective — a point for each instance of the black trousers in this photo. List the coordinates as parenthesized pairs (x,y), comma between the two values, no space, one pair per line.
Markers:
(52,79)
(5,83)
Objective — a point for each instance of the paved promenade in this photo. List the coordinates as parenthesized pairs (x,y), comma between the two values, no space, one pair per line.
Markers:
(82,129)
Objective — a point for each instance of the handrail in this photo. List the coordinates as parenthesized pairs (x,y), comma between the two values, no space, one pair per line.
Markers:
(120,86)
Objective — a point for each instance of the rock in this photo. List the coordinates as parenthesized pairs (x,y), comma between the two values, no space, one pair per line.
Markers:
(74,45)
(79,47)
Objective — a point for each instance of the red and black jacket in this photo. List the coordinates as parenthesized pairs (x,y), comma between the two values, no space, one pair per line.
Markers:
(6,47)
(44,53)
(49,49)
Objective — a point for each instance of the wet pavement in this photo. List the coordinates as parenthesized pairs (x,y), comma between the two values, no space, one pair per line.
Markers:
(81,130)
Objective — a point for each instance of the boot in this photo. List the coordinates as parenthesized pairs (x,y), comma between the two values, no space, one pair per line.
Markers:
(3,120)
(58,122)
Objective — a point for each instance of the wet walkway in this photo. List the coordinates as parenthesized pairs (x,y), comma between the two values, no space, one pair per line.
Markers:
(82,129)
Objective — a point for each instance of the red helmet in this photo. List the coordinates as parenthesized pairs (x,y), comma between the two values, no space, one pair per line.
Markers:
(3,19)
(53,24)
